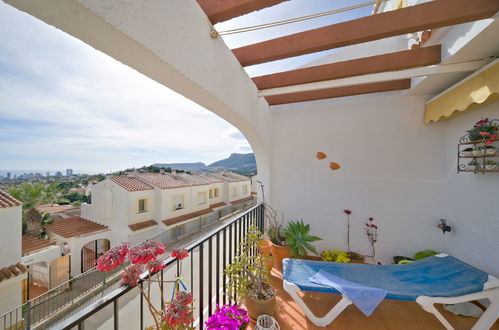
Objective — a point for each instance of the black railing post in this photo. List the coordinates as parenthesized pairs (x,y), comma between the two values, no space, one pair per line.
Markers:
(224,279)
(162,291)
(217,269)
(141,306)
(201,287)
(115,314)
(210,276)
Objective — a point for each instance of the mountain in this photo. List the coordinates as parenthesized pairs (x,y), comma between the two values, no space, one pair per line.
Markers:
(236,162)
(189,167)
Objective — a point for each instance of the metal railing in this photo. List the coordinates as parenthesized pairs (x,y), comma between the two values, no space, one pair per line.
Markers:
(124,308)
(84,289)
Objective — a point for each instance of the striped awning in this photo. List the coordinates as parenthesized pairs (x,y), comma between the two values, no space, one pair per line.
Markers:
(479,89)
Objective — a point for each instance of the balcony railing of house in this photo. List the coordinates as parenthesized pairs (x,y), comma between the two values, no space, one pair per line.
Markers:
(203,272)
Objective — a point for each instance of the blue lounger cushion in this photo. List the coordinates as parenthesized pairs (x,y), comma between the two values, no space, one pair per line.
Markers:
(433,276)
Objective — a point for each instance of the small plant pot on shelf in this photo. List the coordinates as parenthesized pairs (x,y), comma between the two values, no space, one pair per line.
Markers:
(490,167)
(478,152)
(489,150)
(466,153)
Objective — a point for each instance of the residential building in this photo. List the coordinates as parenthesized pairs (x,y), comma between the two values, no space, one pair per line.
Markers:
(12,271)
(69,172)
(139,205)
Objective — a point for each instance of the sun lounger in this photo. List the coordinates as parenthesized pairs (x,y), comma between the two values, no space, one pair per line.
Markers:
(439,279)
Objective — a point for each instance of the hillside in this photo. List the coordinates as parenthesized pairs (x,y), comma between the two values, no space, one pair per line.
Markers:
(243,163)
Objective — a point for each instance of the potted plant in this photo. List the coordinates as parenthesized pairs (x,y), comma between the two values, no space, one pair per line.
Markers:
(490,150)
(483,126)
(335,256)
(298,239)
(228,317)
(275,232)
(473,165)
(490,165)
(354,256)
(248,278)
(466,152)
(478,150)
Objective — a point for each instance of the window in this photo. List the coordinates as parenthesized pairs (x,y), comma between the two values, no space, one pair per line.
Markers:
(234,191)
(142,205)
(211,193)
(215,192)
(202,197)
(245,189)
(178,202)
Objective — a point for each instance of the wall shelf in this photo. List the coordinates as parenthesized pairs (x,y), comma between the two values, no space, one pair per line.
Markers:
(478,162)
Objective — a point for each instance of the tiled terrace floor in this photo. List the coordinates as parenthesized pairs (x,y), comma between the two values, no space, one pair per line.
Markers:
(390,314)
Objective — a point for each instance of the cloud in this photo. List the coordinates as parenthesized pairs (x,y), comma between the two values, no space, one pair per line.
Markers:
(64,104)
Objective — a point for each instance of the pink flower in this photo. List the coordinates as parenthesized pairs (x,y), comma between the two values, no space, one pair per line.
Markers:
(493,136)
(489,142)
(146,252)
(483,134)
(347,212)
(180,253)
(155,266)
(112,258)
(131,275)
(482,122)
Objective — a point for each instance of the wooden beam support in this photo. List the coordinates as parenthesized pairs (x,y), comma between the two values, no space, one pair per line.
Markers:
(405,59)
(384,86)
(224,10)
(429,15)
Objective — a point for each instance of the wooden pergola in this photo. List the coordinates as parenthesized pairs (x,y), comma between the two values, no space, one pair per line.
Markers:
(426,16)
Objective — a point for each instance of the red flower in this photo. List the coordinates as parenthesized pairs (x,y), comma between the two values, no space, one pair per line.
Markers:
(180,253)
(146,252)
(131,275)
(483,134)
(371,219)
(482,122)
(112,258)
(493,136)
(155,266)
(347,212)
(489,142)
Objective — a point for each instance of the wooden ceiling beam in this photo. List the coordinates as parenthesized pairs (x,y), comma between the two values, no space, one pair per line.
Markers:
(429,15)
(385,86)
(224,10)
(401,60)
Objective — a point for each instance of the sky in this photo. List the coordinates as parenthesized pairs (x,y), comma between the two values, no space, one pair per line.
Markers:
(64,104)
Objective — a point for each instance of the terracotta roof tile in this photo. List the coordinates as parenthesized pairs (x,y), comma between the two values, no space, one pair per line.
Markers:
(142,225)
(214,206)
(185,217)
(229,176)
(54,208)
(130,183)
(242,200)
(7,200)
(162,181)
(12,271)
(31,244)
(208,178)
(195,180)
(74,226)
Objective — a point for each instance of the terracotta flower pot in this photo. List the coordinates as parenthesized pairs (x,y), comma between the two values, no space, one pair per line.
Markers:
(265,247)
(257,307)
(356,258)
(280,252)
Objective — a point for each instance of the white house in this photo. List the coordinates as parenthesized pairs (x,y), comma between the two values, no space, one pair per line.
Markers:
(12,272)
(138,205)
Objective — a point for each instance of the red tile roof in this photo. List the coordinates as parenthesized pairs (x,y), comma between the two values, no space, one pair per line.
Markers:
(185,217)
(242,200)
(214,206)
(7,200)
(195,180)
(229,176)
(131,183)
(31,244)
(142,225)
(12,271)
(54,208)
(74,226)
(208,178)
(163,181)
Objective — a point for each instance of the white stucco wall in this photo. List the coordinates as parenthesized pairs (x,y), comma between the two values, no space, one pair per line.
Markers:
(10,235)
(11,294)
(391,169)
(47,255)
(472,199)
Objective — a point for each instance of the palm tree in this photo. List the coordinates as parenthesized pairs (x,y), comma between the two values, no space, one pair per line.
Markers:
(32,195)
